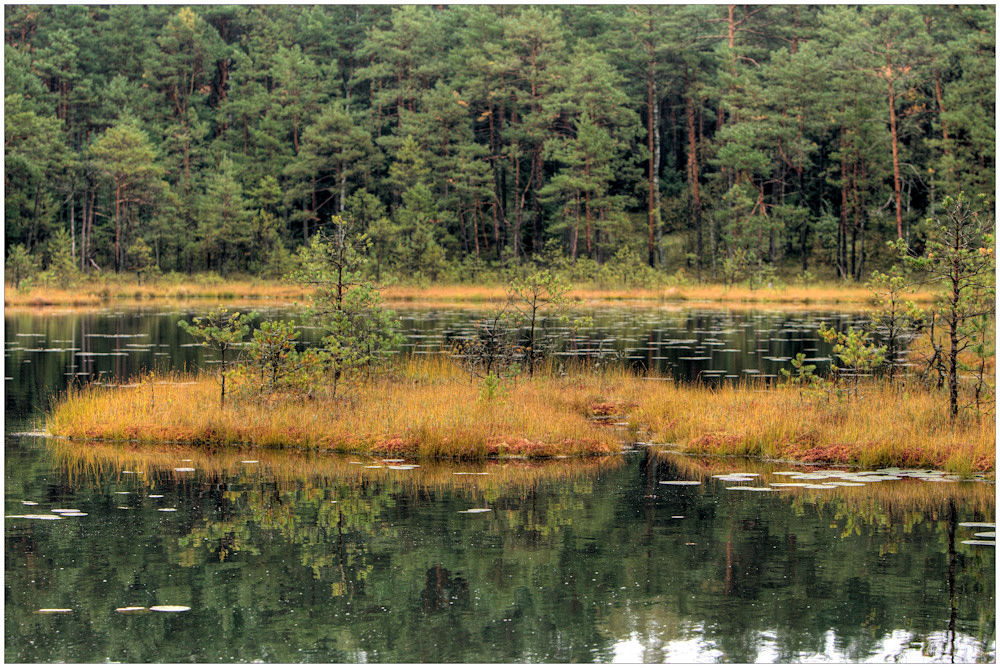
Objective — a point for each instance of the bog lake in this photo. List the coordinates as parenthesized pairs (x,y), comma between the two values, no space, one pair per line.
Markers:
(118,552)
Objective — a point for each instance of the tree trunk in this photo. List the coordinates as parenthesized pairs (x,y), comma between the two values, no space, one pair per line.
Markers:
(652,126)
(118,205)
(896,179)
(692,170)
(72,226)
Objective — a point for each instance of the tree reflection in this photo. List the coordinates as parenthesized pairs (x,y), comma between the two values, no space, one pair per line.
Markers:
(300,557)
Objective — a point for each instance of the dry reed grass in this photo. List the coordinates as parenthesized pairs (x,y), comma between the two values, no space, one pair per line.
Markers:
(427,407)
(98,293)
(886,425)
(121,293)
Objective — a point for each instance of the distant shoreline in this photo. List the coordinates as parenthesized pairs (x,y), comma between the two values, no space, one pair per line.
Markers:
(100,294)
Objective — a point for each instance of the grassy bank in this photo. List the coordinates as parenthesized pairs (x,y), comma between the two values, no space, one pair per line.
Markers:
(119,291)
(429,408)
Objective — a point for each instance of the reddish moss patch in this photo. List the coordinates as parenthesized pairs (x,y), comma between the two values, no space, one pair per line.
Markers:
(843,453)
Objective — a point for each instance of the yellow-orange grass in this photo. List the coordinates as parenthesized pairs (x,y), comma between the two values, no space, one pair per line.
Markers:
(430,408)
(920,351)
(127,292)
(422,413)
(100,293)
(826,293)
(886,425)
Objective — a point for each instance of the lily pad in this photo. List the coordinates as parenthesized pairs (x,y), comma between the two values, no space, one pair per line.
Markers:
(167,510)
(184,469)
(471,511)
(991,543)
(60,511)
(752,489)
(680,482)
(986,534)
(989,525)
(36,517)
(29,503)
(132,608)
(50,611)
(169,608)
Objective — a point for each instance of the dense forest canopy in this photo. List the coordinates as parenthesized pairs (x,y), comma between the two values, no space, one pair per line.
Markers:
(222,138)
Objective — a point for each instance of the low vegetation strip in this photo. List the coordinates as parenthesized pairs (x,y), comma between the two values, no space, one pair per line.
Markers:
(106,290)
(430,418)
(433,410)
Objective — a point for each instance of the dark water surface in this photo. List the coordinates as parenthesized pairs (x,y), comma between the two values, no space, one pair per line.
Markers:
(286,557)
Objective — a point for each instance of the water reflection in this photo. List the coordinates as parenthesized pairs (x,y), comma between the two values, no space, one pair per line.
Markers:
(289,557)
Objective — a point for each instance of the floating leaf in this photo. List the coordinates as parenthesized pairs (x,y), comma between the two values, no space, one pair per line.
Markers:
(130,609)
(476,510)
(988,525)
(752,489)
(65,510)
(53,610)
(986,534)
(169,608)
(167,510)
(680,482)
(184,469)
(991,543)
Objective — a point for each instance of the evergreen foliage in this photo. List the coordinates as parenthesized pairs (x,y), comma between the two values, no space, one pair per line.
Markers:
(798,138)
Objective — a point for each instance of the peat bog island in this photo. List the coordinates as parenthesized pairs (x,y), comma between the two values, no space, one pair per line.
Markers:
(431,333)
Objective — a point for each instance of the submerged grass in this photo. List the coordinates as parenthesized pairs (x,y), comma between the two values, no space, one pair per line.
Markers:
(429,408)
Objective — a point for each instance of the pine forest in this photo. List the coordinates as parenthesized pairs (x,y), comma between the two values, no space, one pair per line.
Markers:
(711,142)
